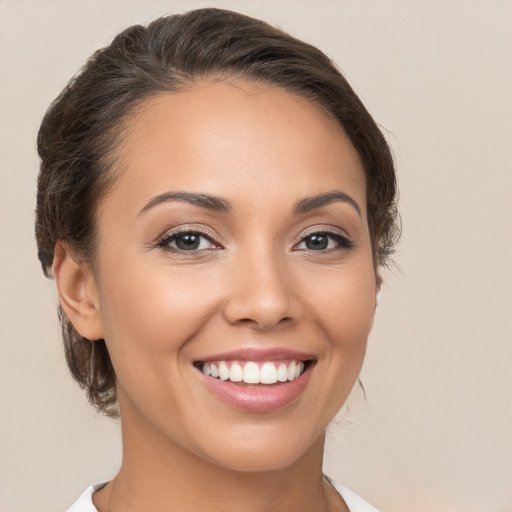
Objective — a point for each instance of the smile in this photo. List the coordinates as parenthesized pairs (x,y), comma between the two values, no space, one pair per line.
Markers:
(252,372)
(257,380)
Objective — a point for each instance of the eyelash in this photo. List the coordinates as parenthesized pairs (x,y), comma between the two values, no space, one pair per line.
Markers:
(343,241)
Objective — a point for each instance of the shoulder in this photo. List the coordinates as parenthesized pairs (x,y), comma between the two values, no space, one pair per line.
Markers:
(354,502)
(84,503)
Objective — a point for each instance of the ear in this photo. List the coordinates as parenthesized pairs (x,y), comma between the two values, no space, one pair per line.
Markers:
(78,293)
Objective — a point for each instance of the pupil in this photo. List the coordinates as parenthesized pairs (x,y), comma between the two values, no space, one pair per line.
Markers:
(317,242)
(188,242)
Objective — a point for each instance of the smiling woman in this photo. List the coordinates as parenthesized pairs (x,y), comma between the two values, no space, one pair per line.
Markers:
(214,203)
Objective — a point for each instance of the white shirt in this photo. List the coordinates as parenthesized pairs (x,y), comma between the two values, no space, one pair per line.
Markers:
(354,502)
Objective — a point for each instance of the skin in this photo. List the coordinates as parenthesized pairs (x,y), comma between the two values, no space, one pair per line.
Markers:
(256,284)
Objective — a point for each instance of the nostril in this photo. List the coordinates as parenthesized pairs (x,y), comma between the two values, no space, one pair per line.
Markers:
(265,323)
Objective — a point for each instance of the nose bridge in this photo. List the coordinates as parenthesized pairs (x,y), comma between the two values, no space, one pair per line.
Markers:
(261,291)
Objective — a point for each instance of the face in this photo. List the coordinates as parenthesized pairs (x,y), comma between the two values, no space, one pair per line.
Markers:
(234,274)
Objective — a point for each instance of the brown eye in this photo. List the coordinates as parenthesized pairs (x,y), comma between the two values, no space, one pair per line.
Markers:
(317,242)
(187,241)
(324,241)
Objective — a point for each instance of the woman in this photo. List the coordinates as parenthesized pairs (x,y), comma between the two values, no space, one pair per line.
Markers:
(214,203)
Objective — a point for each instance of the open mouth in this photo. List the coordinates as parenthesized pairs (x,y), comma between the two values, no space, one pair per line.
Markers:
(255,372)
(255,380)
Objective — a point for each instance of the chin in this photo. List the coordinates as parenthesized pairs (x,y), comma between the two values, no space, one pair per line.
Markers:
(270,451)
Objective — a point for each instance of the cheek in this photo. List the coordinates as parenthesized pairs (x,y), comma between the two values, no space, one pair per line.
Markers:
(346,303)
(152,316)
(150,312)
(342,306)
(345,310)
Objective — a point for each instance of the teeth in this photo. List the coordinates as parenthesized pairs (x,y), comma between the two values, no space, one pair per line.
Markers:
(282,373)
(268,373)
(236,373)
(223,371)
(252,373)
(291,370)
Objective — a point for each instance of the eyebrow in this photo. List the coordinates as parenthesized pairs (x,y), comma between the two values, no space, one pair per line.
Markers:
(310,203)
(221,205)
(204,201)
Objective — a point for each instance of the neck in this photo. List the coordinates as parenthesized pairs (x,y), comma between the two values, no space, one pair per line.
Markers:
(157,474)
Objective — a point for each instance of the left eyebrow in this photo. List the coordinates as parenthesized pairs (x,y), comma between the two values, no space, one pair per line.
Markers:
(204,201)
(310,203)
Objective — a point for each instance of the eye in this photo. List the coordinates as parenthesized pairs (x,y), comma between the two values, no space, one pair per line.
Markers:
(188,241)
(324,241)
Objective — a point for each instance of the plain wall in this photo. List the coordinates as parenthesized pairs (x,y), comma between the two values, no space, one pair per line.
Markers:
(436,432)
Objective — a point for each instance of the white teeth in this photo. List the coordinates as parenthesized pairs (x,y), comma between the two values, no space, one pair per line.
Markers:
(251,373)
(282,373)
(214,371)
(268,373)
(236,373)
(291,370)
(223,371)
(299,369)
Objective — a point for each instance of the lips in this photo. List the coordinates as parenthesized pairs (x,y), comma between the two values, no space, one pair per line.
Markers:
(255,380)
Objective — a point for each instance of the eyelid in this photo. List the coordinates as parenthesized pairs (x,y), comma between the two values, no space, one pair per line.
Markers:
(323,229)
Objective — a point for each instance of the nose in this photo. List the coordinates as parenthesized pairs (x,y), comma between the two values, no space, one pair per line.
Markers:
(262,292)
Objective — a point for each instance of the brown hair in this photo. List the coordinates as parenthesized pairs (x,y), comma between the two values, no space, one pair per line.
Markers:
(79,133)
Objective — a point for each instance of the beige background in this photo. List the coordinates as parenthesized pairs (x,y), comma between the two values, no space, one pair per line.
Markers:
(436,433)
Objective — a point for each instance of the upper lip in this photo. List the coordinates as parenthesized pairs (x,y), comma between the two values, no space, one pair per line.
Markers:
(253,354)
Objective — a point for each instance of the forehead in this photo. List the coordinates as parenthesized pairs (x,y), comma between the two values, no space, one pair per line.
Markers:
(224,137)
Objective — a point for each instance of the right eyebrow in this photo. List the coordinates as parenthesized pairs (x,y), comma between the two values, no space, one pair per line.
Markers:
(216,204)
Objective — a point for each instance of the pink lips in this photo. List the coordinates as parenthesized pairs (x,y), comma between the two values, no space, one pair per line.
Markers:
(251,354)
(258,397)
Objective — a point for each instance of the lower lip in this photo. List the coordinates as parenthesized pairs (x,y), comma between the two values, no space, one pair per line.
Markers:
(258,398)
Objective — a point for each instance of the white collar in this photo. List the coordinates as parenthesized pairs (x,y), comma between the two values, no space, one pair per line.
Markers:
(354,502)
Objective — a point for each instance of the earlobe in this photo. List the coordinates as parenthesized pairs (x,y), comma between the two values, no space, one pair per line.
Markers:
(78,293)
